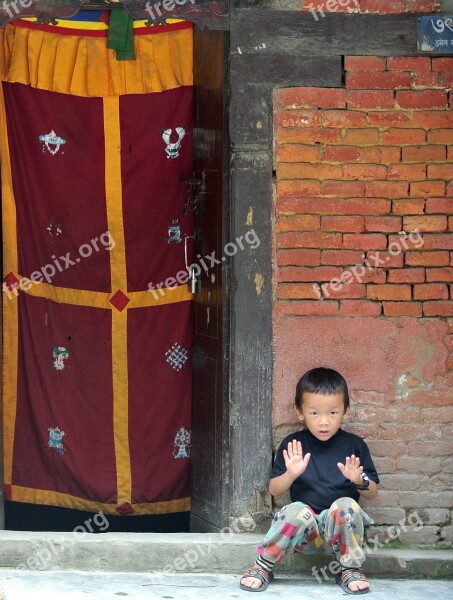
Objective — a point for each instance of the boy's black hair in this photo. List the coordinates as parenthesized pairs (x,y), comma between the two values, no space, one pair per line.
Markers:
(322,381)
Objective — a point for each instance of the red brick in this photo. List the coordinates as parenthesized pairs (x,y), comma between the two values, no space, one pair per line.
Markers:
(386,189)
(429,79)
(438,308)
(441,136)
(410,172)
(444,171)
(365,241)
(430,291)
(298,118)
(305,171)
(314,239)
(363,308)
(342,154)
(335,206)
(402,309)
(444,274)
(304,135)
(371,100)
(404,136)
(298,153)
(383,6)
(307,308)
(308,258)
(424,153)
(422,6)
(364,63)
(427,259)
(341,257)
(378,81)
(366,274)
(450,223)
(427,188)
(310,96)
(432,119)
(300,274)
(343,188)
(425,223)
(443,64)
(421,99)
(364,171)
(438,241)
(383,224)
(335,289)
(449,187)
(391,261)
(291,189)
(408,207)
(389,118)
(361,137)
(293,291)
(408,275)
(343,118)
(389,292)
(352,223)
(405,63)
(298,223)
(439,205)
(449,363)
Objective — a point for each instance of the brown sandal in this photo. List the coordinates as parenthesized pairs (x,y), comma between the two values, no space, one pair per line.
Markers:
(258,573)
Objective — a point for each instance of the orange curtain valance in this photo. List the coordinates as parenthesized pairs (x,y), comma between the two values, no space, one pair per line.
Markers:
(58,63)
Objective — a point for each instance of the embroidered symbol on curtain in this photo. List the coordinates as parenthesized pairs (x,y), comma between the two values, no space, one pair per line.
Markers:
(55,437)
(60,354)
(173,148)
(54,230)
(176,357)
(52,142)
(174,233)
(181,445)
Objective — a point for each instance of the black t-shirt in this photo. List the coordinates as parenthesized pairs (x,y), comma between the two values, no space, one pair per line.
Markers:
(322,482)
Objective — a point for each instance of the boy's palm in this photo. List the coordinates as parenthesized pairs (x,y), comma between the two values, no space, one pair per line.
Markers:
(295,461)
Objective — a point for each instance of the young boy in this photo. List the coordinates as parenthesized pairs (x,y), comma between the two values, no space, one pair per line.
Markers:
(326,470)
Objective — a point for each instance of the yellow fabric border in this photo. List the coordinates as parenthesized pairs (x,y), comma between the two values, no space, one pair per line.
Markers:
(114,202)
(10,312)
(95,25)
(46,497)
(57,63)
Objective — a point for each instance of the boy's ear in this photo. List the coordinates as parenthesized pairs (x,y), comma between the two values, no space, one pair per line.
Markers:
(347,413)
(299,413)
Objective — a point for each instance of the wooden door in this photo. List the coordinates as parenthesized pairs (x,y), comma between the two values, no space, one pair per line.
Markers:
(210,415)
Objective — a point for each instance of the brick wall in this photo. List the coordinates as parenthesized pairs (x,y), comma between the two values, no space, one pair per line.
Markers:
(363,276)
(321,7)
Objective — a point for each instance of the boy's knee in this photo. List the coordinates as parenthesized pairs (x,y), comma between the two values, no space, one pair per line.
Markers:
(299,513)
(345,503)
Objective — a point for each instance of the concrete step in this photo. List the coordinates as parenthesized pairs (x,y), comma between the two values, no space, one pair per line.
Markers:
(179,553)
(70,585)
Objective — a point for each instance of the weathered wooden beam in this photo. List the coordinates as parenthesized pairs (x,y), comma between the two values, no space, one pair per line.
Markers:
(281,32)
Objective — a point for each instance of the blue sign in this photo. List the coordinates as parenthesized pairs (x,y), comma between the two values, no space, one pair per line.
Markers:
(435,34)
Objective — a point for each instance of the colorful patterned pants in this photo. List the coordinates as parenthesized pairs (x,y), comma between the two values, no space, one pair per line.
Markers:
(297,528)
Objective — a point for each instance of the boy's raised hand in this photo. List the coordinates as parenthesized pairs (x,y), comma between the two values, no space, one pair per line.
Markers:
(295,461)
(352,469)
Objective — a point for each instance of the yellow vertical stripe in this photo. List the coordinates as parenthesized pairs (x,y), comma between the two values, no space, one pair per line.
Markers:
(114,202)
(10,313)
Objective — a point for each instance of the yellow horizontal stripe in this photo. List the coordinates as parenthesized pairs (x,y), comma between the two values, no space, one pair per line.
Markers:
(94,25)
(48,498)
(101,299)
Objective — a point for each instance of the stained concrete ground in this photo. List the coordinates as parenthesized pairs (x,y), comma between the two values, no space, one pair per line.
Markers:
(139,586)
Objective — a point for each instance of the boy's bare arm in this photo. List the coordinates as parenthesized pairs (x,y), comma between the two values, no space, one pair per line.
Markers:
(371,493)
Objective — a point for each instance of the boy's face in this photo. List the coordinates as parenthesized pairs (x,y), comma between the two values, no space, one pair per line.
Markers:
(322,414)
